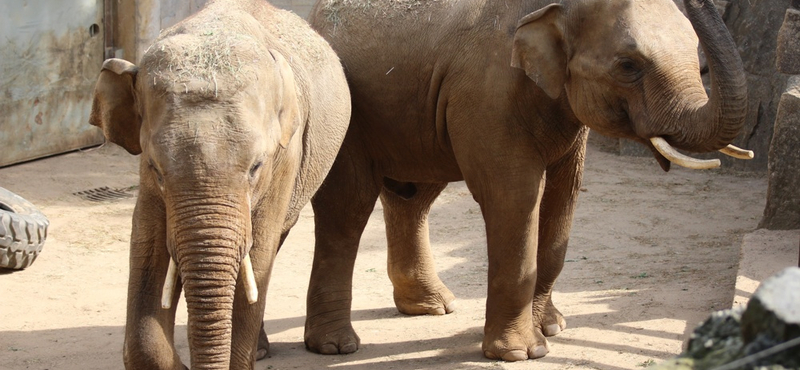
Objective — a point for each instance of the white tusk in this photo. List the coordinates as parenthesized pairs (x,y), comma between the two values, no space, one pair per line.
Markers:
(250,288)
(169,285)
(736,152)
(682,160)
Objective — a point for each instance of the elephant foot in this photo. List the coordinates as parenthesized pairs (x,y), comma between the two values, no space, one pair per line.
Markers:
(552,321)
(516,347)
(331,342)
(263,345)
(430,301)
(554,325)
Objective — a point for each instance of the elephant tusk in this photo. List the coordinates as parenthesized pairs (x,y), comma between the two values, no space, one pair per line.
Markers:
(250,288)
(169,285)
(737,152)
(682,160)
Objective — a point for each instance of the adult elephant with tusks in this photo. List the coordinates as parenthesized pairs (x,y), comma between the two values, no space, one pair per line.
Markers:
(238,113)
(501,94)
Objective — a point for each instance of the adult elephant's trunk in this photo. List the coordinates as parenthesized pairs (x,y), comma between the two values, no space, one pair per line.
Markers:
(708,125)
(211,237)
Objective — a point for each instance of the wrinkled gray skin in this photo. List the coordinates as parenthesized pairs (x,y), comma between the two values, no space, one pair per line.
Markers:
(500,94)
(237,114)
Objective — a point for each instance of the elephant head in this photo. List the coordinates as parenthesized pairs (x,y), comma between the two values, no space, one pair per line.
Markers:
(213,125)
(630,69)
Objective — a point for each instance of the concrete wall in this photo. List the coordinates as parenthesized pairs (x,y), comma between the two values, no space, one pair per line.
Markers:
(50,53)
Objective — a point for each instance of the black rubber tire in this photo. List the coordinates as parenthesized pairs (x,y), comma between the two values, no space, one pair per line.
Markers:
(23,230)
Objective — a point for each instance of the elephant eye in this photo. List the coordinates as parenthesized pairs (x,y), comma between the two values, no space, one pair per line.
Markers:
(627,70)
(255,168)
(628,67)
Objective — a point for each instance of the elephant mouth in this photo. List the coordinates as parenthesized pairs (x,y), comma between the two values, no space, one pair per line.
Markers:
(666,154)
(246,270)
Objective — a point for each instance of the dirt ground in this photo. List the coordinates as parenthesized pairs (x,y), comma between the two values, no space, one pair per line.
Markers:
(651,255)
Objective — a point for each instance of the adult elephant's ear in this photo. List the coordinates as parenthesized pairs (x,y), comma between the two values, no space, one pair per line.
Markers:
(539,49)
(114,108)
(289,113)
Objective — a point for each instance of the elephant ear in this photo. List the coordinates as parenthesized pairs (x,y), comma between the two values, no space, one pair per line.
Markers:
(539,49)
(114,108)
(289,113)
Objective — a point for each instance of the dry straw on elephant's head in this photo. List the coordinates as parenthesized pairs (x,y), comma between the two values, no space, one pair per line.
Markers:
(213,55)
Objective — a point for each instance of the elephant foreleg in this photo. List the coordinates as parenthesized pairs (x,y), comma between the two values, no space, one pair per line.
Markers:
(509,202)
(263,344)
(555,221)
(262,349)
(248,324)
(511,229)
(341,210)
(417,288)
(149,329)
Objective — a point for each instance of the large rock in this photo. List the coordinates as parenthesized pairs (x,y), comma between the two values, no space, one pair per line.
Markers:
(782,211)
(772,317)
(765,334)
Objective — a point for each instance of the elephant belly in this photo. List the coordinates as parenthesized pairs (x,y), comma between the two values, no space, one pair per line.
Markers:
(411,155)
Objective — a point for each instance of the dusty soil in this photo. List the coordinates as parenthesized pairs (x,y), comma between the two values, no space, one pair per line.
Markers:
(651,254)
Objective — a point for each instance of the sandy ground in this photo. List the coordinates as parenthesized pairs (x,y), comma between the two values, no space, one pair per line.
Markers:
(651,254)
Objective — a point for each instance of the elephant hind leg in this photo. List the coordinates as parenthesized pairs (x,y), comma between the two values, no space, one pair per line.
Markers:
(417,288)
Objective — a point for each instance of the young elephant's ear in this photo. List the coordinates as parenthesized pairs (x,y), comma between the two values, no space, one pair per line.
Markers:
(289,114)
(539,49)
(114,108)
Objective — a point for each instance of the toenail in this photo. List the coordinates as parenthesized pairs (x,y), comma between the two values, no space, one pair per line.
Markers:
(515,355)
(348,348)
(539,351)
(552,329)
(328,349)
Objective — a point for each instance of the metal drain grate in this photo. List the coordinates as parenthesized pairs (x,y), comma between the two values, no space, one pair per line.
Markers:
(104,193)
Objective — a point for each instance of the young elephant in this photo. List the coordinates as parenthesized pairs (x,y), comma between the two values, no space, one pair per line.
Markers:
(238,113)
(435,100)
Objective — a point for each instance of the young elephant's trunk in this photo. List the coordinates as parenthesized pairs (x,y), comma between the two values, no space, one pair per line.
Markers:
(209,287)
(210,239)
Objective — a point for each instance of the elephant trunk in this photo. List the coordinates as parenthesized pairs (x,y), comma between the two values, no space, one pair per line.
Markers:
(209,289)
(210,240)
(716,122)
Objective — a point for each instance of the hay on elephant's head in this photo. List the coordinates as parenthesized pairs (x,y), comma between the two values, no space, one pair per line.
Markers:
(214,56)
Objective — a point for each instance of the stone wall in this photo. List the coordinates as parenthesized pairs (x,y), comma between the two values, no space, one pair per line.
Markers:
(754,25)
